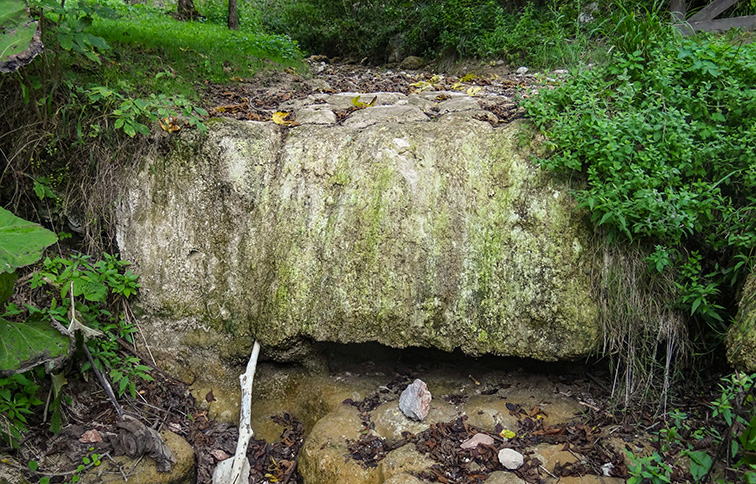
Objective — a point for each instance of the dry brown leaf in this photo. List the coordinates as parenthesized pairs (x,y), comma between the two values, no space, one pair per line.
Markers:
(219,455)
(90,437)
(169,124)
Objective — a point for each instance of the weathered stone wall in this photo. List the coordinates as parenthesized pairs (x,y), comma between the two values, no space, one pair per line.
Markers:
(437,234)
(741,339)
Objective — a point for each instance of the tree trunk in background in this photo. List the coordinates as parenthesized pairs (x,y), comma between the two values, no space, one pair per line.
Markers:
(233,15)
(186,10)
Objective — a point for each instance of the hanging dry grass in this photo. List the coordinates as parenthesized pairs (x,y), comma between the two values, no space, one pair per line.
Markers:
(84,173)
(646,340)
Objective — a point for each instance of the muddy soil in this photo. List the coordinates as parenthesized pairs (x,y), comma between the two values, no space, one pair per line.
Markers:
(552,410)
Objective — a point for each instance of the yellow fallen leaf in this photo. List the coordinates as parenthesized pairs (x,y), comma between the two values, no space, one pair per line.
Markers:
(169,125)
(473,90)
(507,434)
(279,117)
(421,86)
(359,104)
(458,86)
(469,77)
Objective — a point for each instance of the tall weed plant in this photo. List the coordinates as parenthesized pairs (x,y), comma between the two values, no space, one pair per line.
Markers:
(665,137)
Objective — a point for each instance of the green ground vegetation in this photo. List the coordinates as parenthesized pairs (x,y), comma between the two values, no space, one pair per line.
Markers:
(664,136)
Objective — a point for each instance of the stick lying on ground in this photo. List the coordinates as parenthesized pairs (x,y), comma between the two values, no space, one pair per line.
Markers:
(236,469)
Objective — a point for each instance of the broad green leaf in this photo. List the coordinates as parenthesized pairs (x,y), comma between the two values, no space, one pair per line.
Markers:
(19,39)
(700,463)
(31,343)
(58,380)
(21,241)
(7,280)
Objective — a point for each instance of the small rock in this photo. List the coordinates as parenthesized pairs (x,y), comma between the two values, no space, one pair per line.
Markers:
(404,460)
(316,116)
(413,63)
(318,84)
(561,72)
(415,400)
(550,455)
(458,104)
(219,454)
(318,58)
(476,440)
(606,469)
(511,459)
(90,436)
(522,70)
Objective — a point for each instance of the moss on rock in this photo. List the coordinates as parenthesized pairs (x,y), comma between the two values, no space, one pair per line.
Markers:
(741,338)
(420,234)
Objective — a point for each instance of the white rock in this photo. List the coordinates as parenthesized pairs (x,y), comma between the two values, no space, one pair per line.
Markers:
(476,440)
(415,400)
(522,70)
(511,459)
(316,116)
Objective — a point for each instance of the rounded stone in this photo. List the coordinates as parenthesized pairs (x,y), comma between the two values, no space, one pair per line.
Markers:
(390,422)
(183,471)
(413,63)
(511,459)
(403,479)
(321,459)
(487,411)
(406,459)
(550,455)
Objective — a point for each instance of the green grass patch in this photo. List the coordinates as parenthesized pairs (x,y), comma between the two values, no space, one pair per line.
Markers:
(149,40)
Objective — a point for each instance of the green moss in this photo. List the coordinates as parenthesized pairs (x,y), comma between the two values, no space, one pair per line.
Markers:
(450,244)
(741,338)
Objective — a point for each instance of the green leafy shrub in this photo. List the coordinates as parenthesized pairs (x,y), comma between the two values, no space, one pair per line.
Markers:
(333,27)
(541,34)
(95,294)
(24,345)
(97,291)
(650,468)
(131,115)
(728,434)
(665,140)
(18,395)
(633,27)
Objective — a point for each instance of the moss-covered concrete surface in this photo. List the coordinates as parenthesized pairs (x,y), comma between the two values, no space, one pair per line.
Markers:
(434,234)
(741,339)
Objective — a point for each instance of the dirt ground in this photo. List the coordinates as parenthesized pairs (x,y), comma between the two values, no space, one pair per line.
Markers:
(599,435)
